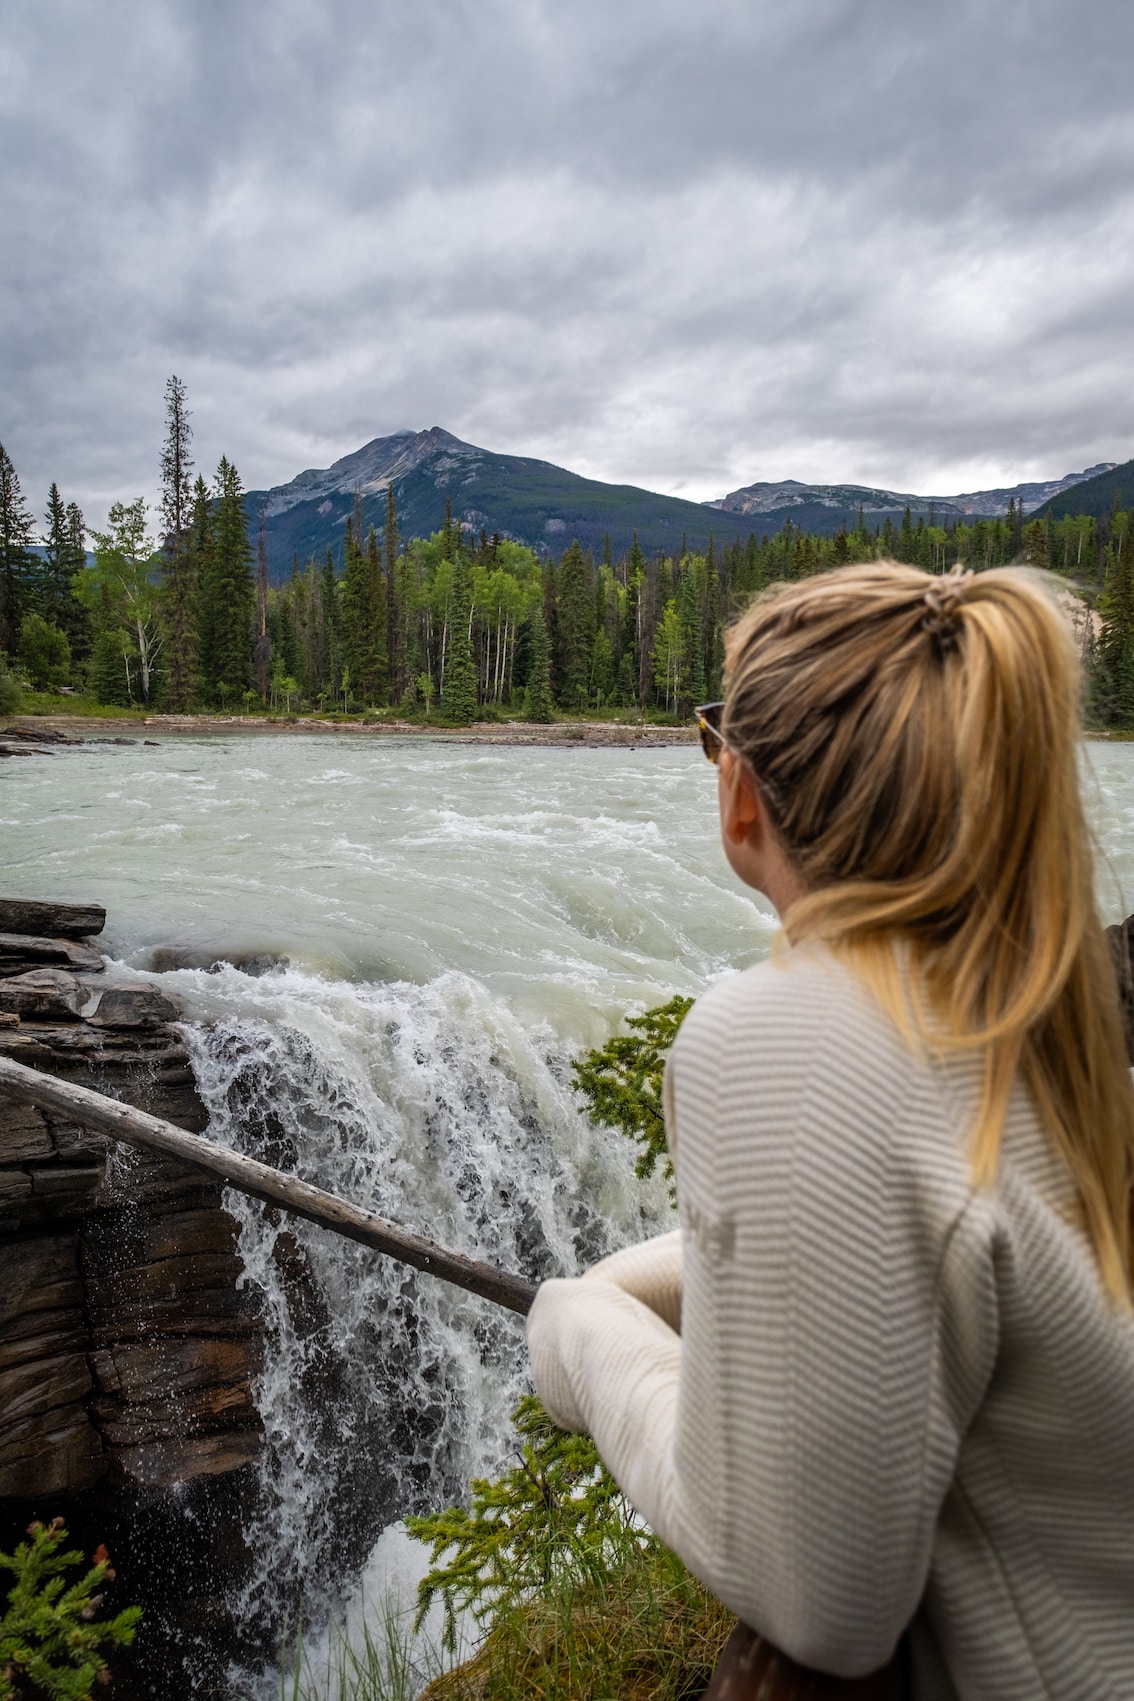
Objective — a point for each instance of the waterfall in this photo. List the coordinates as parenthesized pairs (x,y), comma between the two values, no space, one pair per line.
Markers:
(384,1390)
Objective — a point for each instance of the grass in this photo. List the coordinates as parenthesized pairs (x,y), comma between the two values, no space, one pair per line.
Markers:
(55,703)
(37,703)
(384,1668)
(650,1632)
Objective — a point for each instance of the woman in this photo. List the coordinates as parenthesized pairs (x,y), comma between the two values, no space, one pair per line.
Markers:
(882,1377)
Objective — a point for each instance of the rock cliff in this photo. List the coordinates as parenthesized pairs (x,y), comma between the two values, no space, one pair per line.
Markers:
(127,1348)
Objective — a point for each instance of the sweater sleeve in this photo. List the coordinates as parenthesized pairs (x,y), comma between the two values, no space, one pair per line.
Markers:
(795,1444)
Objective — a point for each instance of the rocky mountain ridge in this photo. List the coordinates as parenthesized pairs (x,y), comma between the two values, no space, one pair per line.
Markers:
(768,498)
(545,506)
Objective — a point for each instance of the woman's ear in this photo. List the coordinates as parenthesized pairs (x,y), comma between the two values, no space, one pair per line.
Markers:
(742,807)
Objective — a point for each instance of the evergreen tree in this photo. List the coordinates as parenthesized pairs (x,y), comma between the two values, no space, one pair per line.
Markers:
(180,560)
(18,564)
(262,646)
(227,593)
(458,696)
(201,571)
(538,705)
(111,676)
(1115,692)
(64,558)
(332,658)
(575,619)
(362,603)
(377,661)
(396,611)
(691,680)
(54,579)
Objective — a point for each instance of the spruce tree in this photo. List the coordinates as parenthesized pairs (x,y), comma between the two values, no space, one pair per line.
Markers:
(691,678)
(358,636)
(538,705)
(1116,647)
(18,564)
(64,557)
(227,597)
(76,621)
(111,676)
(54,580)
(204,602)
(376,666)
(575,623)
(180,561)
(397,611)
(331,614)
(262,645)
(458,697)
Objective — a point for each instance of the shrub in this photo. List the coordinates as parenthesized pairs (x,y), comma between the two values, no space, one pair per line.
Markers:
(649,1631)
(50,1642)
(45,653)
(557,1514)
(10,694)
(622,1081)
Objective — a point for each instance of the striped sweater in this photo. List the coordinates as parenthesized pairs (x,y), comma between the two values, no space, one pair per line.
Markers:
(853,1393)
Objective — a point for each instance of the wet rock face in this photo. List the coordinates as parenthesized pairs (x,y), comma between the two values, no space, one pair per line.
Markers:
(126,1348)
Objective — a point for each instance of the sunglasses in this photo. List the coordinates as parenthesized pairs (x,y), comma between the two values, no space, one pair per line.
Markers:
(708,718)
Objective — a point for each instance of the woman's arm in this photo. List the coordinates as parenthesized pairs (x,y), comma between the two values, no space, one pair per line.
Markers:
(650,1272)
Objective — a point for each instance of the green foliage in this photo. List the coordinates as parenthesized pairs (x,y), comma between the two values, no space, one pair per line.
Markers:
(64,557)
(18,564)
(575,627)
(622,1081)
(111,672)
(120,590)
(581,1600)
(45,653)
(383,1668)
(50,1642)
(226,591)
(10,696)
(556,1514)
(646,1631)
(458,688)
(538,702)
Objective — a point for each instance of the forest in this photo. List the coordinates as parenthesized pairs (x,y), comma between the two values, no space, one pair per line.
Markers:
(174,612)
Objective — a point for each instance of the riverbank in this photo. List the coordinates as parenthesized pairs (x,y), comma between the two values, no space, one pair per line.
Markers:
(574,734)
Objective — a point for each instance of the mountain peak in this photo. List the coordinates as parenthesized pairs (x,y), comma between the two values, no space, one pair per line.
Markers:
(367,470)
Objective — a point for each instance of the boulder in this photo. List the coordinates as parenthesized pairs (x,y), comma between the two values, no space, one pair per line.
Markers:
(52,995)
(70,921)
(127,1007)
(22,951)
(254,961)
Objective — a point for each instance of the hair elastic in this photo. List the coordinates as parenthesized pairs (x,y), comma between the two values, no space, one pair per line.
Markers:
(943,599)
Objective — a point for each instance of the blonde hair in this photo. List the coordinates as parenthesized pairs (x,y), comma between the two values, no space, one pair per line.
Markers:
(915,739)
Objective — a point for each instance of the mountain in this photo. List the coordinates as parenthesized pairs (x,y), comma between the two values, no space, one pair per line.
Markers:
(531,501)
(823,507)
(545,506)
(1114,486)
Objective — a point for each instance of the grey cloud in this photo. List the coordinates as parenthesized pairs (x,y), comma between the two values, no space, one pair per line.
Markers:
(685,246)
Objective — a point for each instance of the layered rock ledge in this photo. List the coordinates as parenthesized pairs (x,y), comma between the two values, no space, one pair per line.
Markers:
(127,1348)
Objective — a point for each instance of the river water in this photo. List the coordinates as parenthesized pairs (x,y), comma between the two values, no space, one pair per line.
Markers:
(431,932)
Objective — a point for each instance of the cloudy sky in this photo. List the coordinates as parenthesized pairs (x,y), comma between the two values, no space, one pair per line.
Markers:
(683,245)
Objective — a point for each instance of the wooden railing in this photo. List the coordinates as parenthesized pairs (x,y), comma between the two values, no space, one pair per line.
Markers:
(136,1128)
